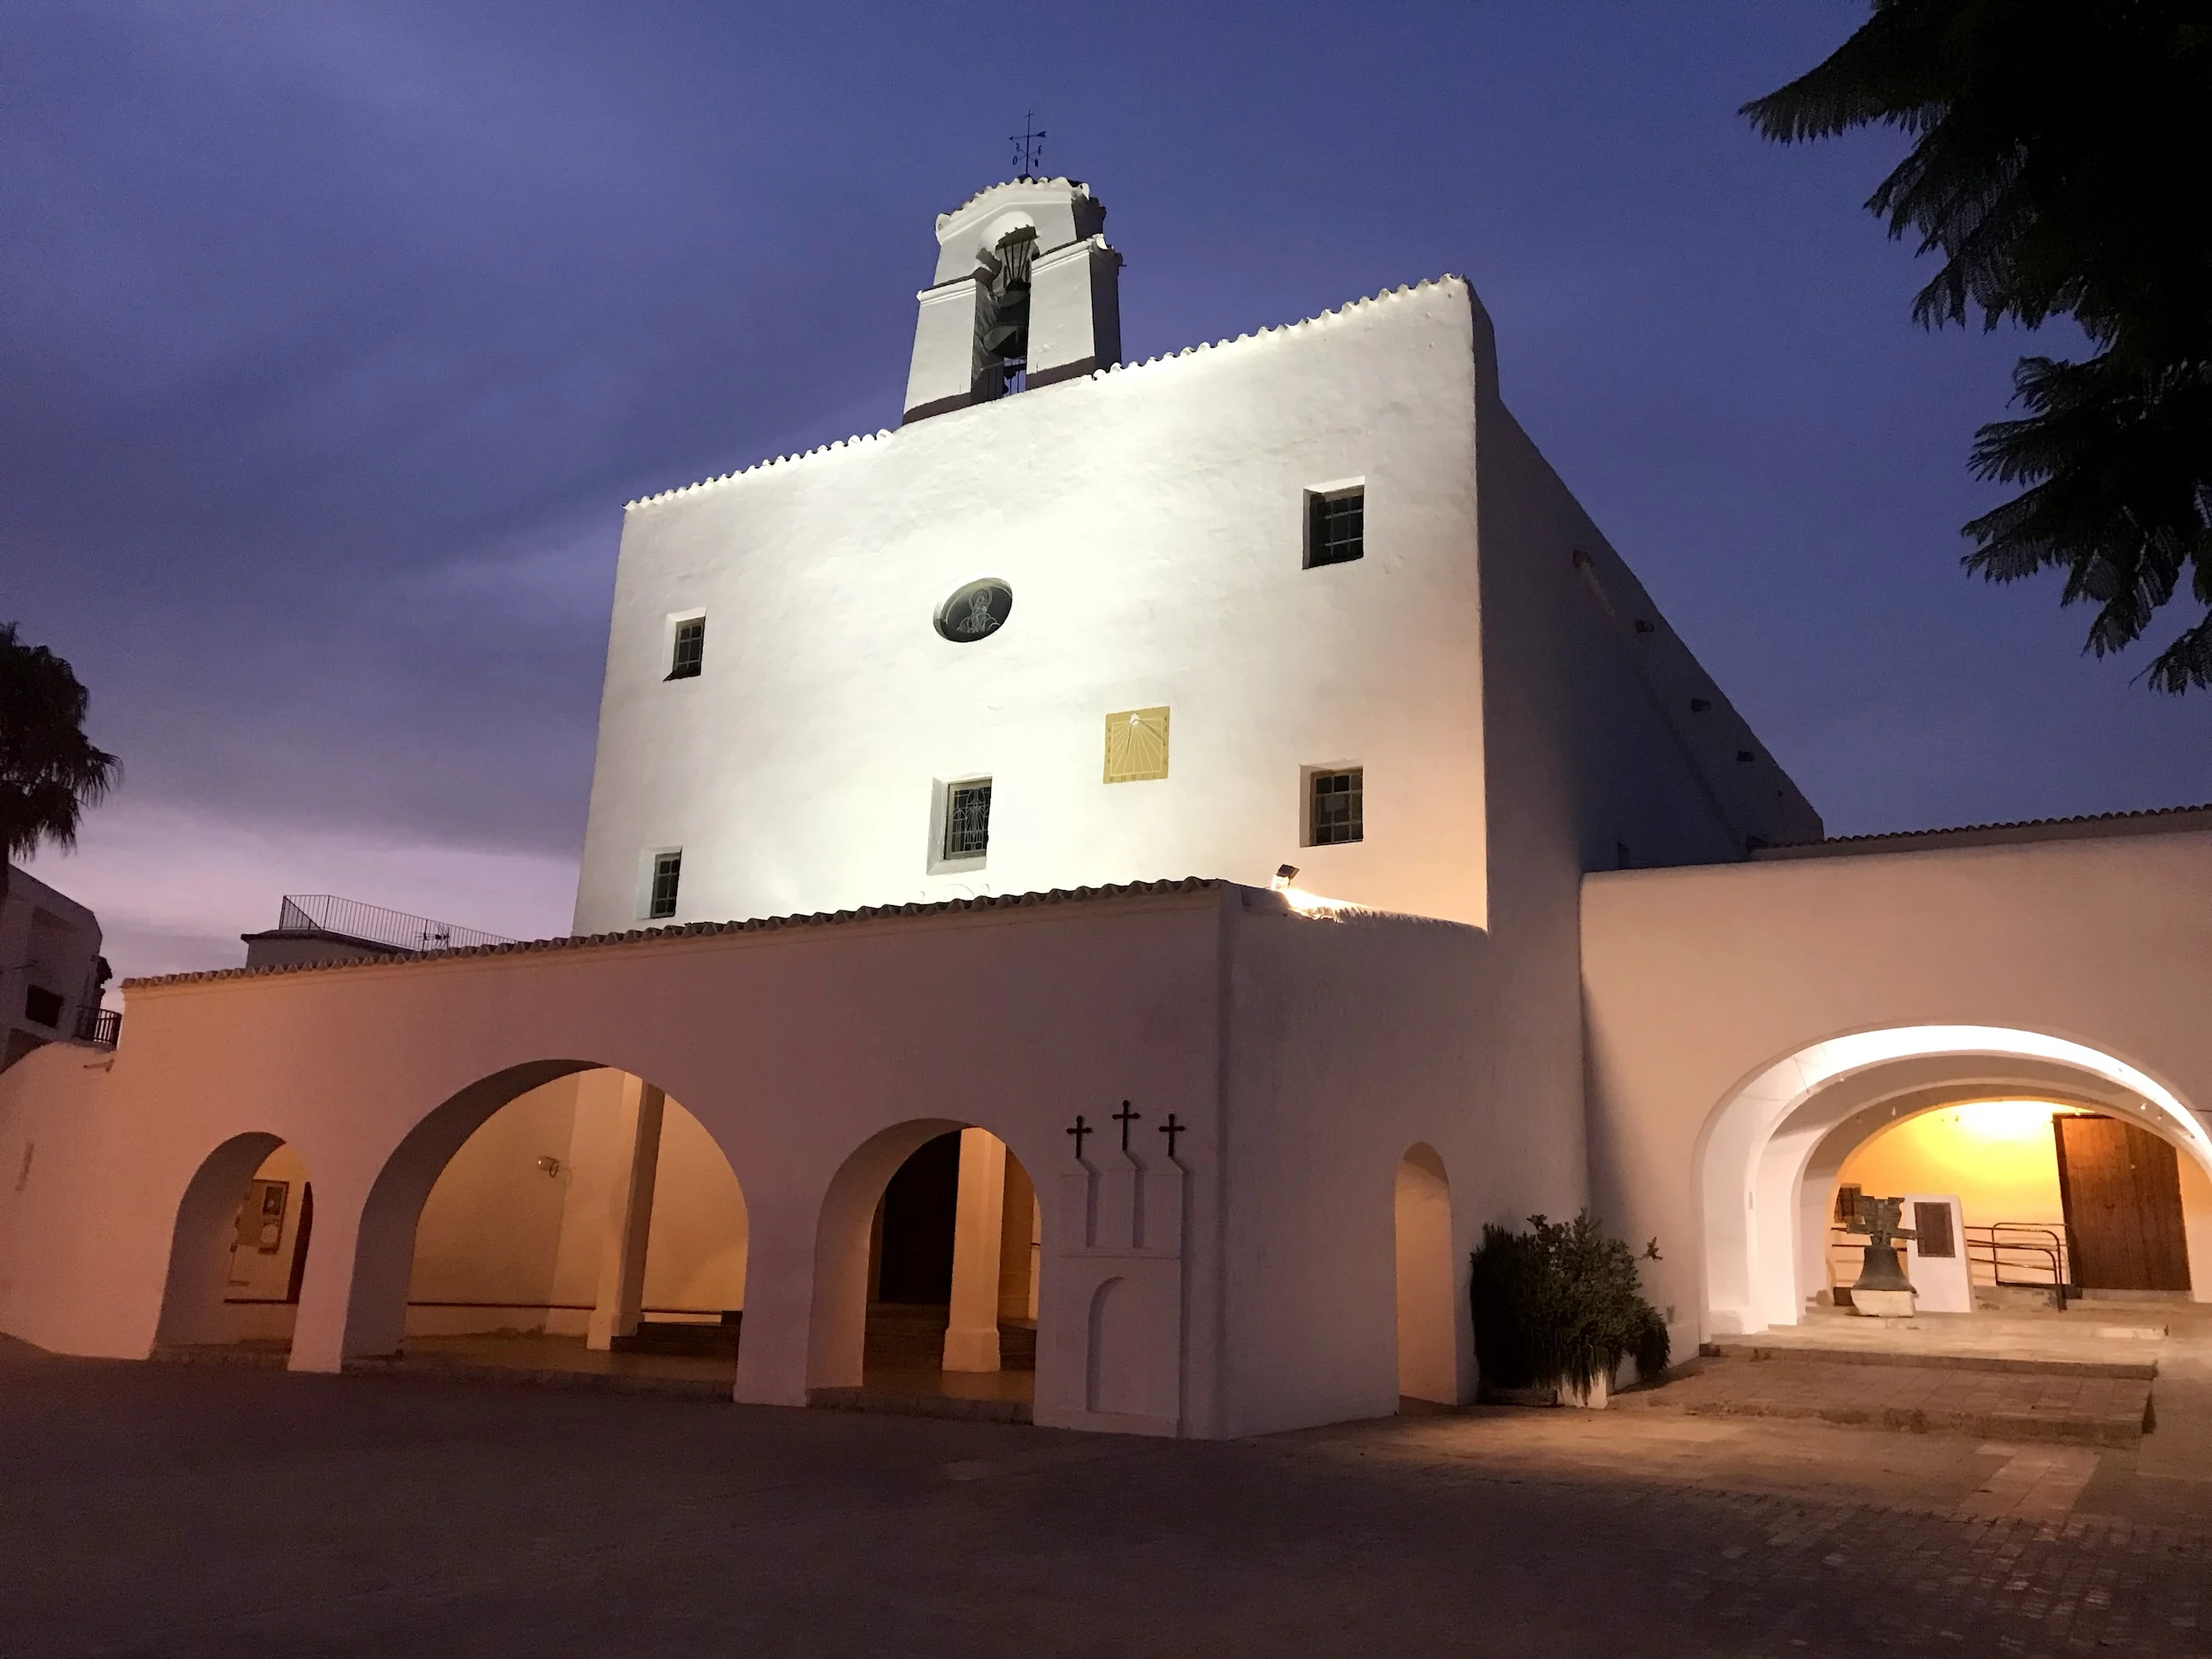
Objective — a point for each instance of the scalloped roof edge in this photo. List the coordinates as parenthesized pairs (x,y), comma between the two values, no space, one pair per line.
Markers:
(1076,185)
(1449,280)
(694,930)
(2142,820)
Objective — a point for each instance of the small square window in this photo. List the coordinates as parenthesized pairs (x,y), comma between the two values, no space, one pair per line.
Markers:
(668,873)
(968,818)
(1335,526)
(690,652)
(1334,814)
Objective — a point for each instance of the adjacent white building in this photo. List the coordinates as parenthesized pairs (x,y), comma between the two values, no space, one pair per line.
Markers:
(51,972)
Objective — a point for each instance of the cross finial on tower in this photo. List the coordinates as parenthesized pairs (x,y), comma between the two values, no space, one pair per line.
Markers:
(1029,147)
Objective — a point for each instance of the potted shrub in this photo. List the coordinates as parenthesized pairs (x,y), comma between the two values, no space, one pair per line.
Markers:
(1557,1308)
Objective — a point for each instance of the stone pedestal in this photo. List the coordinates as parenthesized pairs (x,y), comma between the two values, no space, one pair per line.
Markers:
(1882,1304)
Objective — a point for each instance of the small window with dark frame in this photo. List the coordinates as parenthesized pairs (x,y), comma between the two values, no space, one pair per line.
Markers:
(968,819)
(668,873)
(1333,810)
(1846,1204)
(690,653)
(1335,526)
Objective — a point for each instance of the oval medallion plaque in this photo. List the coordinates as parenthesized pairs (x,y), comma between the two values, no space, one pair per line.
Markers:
(975,612)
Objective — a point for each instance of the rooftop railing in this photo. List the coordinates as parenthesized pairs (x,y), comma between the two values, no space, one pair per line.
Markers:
(349,918)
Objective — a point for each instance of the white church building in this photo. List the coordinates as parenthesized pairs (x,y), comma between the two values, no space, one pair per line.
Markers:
(1125,874)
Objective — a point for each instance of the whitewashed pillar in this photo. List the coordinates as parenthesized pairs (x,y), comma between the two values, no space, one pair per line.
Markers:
(971,1337)
(629,1217)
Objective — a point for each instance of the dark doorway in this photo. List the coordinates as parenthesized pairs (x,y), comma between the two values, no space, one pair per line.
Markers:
(919,1206)
(2120,1187)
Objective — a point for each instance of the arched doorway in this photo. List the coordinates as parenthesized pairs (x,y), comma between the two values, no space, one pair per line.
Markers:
(1428,1301)
(1772,1154)
(239,1249)
(583,1221)
(927,1268)
(2047,1199)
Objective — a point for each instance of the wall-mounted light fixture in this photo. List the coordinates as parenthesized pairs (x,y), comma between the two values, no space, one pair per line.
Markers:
(1284,874)
(552,1165)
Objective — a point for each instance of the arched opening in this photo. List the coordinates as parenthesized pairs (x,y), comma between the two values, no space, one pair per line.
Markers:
(2023,1203)
(1428,1303)
(927,1267)
(238,1252)
(582,1221)
(1772,1157)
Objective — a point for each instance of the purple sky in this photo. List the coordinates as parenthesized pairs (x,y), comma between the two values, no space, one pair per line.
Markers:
(332,339)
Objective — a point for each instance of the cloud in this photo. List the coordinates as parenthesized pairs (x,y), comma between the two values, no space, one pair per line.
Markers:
(175,886)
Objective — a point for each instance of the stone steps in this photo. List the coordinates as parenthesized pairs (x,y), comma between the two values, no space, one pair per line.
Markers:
(1753,1348)
(1858,1390)
(893,1403)
(910,1336)
(693,1338)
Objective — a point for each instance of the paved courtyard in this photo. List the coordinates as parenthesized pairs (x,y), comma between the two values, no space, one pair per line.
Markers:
(191,1509)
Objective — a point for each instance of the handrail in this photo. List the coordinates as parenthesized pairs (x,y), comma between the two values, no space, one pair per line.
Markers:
(2039,1249)
(99,1027)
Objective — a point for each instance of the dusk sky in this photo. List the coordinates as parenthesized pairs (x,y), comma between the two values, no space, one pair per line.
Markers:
(334,337)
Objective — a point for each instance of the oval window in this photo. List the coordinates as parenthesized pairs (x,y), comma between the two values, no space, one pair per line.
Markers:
(975,611)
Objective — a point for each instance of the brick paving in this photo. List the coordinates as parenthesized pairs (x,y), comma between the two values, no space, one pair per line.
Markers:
(187,1510)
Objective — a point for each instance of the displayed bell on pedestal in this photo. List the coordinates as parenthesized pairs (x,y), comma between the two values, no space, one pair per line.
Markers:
(1881,1289)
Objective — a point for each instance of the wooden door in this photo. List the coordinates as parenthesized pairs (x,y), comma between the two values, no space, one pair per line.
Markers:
(2120,1187)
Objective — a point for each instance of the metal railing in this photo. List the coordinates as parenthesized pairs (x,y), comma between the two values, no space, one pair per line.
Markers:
(2034,1253)
(326,913)
(99,1027)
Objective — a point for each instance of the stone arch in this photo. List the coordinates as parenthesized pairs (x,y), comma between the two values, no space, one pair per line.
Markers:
(837,1331)
(1429,1305)
(1760,1217)
(200,1241)
(578,1209)
(376,1305)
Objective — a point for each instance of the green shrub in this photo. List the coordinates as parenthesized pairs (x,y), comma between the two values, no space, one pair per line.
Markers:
(1561,1304)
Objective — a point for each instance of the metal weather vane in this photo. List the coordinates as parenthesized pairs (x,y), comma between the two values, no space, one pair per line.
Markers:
(1029,147)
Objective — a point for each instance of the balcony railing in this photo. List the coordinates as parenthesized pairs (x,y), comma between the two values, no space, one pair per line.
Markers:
(99,1027)
(326,913)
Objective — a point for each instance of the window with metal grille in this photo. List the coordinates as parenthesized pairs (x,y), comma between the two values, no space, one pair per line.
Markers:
(691,649)
(1335,813)
(668,872)
(1335,526)
(968,819)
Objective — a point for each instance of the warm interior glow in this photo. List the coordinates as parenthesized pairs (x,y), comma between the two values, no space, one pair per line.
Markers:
(2007,1120)
(1998,1157)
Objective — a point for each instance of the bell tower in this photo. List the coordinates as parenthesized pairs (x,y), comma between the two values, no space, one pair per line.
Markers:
(1027,293)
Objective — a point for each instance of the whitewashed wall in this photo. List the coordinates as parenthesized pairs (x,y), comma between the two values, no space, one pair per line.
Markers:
(1150,522)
